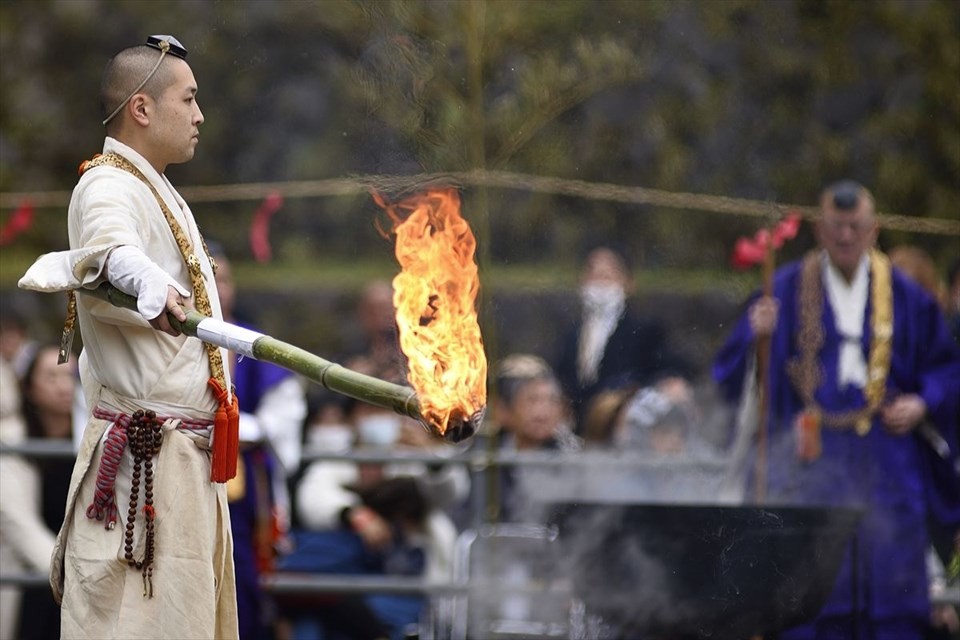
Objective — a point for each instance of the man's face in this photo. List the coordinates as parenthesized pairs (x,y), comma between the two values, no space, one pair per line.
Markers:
(11,339)
(604,267)
(376,312)
(537,411)
(175,126)
(847,234)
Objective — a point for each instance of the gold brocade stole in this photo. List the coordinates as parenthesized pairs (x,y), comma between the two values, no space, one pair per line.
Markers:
(805,370)
(226,423)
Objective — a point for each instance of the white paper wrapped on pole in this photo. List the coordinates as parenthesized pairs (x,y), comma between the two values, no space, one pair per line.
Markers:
(240,340)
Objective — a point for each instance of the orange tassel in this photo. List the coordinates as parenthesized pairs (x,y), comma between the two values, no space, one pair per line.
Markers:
(226,436)
(233,431)
(809,445)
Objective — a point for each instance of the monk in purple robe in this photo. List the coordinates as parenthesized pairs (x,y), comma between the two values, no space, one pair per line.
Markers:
(272,409)
(864,399)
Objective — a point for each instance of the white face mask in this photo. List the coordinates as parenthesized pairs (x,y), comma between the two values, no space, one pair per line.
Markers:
(379,430)
(331,437)
(598,296)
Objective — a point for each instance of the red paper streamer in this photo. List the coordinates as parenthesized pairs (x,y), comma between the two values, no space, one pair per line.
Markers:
(260,227)
(18,222)
(751,251)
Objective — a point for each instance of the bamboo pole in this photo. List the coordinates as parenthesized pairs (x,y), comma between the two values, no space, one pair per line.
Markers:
(327,374)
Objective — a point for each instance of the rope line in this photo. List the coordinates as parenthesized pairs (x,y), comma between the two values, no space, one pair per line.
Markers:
(504,180)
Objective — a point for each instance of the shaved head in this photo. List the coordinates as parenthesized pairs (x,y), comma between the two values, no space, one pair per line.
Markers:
(125,71)
(847,227)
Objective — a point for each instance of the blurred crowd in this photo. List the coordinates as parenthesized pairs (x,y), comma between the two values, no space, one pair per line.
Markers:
(301,504)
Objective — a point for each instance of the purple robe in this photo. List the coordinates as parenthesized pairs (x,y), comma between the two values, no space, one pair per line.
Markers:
(252,378)
(898,480)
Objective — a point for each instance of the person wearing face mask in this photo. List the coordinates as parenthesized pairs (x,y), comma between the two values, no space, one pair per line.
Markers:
(610,345)
(374,518)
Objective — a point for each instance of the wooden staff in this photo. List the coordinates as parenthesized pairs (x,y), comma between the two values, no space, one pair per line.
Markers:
(763,379)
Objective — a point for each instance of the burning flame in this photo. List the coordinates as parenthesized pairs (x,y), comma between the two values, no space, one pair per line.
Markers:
(435,294)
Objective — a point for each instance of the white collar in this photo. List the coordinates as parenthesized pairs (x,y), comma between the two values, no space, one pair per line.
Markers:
(175,203)
(849,303)
(860,273)
(112,145)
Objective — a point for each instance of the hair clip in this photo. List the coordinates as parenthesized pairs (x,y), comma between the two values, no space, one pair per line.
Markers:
(168,44)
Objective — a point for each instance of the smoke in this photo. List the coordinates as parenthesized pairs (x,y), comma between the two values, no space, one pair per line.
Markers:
(644,545)
(586,578)
(711,469)
(616,573)
(623,579)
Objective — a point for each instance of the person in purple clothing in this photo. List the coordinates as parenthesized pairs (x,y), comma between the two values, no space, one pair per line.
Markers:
(272,409)
(864,402)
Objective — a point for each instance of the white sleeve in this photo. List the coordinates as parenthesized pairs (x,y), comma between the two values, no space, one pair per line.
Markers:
(320,495)
(131,271)
(21,523)
(281,413)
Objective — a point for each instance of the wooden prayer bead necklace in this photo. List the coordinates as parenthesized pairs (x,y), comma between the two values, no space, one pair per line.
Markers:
(144,438)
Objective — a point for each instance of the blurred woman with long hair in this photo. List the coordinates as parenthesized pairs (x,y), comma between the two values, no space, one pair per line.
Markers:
(47,392)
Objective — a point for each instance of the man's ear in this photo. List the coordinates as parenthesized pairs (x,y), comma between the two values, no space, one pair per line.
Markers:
(139,108)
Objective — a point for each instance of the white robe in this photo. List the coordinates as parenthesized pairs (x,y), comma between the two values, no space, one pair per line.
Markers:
(126,365)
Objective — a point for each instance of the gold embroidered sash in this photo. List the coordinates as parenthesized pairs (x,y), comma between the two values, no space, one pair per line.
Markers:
(806,372)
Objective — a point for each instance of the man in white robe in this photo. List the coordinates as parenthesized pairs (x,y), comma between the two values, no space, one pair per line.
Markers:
(119,233)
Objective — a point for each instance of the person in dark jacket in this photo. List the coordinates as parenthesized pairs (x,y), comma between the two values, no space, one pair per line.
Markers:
(611,345)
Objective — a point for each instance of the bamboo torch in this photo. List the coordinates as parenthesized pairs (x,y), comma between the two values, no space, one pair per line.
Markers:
(329,375)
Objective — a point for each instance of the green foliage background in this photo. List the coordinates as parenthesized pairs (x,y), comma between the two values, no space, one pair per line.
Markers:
(748,98)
